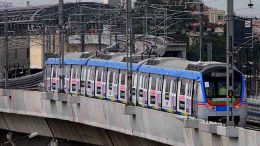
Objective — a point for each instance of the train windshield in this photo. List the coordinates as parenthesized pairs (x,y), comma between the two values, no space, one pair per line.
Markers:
(215,83)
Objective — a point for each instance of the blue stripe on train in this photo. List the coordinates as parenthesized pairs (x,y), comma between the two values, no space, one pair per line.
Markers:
(136,67)
(67,61)
(222,108)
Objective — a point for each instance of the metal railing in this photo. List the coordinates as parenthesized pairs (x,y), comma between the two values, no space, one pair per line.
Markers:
(253,114)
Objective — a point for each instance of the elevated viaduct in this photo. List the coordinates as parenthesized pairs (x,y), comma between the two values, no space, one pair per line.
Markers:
(101,122)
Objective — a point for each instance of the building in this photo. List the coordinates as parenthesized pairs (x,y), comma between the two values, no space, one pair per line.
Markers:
(5,5)
(19,55)
(216,16)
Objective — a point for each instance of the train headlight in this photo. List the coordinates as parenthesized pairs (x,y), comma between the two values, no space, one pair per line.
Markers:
(211,107)
(237,106)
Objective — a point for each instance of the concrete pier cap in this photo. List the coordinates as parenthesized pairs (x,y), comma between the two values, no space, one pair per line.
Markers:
(191,122)
(229,131)
(209,127)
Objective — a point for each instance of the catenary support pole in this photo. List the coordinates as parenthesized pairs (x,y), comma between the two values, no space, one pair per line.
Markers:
(6,49)
(61,45)
(230,61)
(130,48)
(201,29)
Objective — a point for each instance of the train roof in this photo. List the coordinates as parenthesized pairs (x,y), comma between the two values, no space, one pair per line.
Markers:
(92,62)
(182,64)
(123,65)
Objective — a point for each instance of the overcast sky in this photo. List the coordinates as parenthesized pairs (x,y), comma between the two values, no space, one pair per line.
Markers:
(241,7)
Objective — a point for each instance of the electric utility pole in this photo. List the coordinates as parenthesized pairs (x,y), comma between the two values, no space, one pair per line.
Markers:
(99,28)
(130,48)
(82,35)
(61,45)
(43,44)
(201,29)
(230,60)
(6,49)
(146,21)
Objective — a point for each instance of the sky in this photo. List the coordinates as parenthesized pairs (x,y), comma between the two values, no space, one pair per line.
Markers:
(241,7)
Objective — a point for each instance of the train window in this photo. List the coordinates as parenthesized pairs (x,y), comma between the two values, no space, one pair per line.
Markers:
(83,76)
(190,88)
(159,83)
(73,87)
(104,74)
(99,75)
(123,78)
(67,71)
(48,71)
(183,86)
(175,85)
(54,72)
(237,88)
(153,82)
(73,74)
(122,94)
(210,89)
(152,101)
(215,83)
(145,81)
(167,85)
(90,73)
(115,77)
(98,90)
(110,76)
(142,81)
(222,88)
(78,71)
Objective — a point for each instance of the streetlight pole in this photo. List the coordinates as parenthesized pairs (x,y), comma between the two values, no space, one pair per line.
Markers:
(230,60)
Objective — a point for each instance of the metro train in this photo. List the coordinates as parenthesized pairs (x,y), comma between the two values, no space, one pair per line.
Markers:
(169,84)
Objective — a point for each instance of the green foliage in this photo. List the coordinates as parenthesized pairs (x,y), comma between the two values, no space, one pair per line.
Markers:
(218,48)
(193,51)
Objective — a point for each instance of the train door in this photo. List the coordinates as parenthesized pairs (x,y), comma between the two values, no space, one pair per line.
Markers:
(122,92)
(75,79)
(189,99)
(55,81)
(169,95)
(195,99)
(134,90)
(143,88)
(83,78)
(112,84)
(155,91)
(100,84)
(48,72)
(90,81)
(184,100)
(67,69)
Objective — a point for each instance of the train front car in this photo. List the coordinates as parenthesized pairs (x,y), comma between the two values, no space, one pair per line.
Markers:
(214,93)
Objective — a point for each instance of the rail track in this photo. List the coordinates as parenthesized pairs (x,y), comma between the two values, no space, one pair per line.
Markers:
(25,82)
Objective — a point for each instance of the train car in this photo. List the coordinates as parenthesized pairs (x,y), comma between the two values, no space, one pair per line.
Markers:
(169,84)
